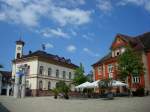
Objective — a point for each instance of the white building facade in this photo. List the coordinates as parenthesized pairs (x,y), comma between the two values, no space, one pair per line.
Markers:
(43,70)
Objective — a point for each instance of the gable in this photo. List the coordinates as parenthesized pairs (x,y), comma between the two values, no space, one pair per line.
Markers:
(118,42)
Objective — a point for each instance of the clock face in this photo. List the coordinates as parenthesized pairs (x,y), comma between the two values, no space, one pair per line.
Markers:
(19,48)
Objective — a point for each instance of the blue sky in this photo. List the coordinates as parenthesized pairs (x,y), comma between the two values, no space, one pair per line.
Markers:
(81,30)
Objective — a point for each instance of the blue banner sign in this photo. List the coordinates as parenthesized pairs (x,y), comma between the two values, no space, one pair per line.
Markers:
(18,74)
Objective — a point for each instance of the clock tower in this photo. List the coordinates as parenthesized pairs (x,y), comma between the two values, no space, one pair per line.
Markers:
(19,49)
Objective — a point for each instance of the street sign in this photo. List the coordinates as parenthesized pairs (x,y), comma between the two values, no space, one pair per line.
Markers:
(18,74)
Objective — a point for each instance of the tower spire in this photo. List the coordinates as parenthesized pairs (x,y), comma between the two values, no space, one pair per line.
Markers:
(20,37)
(19,48)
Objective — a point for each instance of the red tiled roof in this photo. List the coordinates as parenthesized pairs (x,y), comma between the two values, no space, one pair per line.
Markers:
(138,43)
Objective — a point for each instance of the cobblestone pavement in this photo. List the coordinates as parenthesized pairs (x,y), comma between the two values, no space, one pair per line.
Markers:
(48,104)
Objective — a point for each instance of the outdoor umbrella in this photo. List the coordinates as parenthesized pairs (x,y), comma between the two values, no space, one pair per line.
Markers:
(118,83)
(83,85)
(94,84)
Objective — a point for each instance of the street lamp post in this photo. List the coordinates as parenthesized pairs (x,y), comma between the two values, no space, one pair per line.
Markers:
(16,86)
(20,82)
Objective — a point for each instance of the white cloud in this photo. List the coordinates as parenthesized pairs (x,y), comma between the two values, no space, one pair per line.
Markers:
(55,33)
(87,37)
(72,3)
(49,45)
(136,2)
(71,48)
(73,32)
(105,5)
(23,12)
(142,3)
(66,16)
(89,52)
(2,16)
(30,12)
(147,6)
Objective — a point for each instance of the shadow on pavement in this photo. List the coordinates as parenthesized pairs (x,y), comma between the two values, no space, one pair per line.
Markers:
(3,108)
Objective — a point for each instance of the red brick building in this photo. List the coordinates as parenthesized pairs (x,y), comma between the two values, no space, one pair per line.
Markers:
(106,67)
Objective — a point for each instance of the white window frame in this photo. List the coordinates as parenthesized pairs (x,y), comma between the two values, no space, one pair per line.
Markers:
(136,79)
(70,75)
(49,71)
(99,70)
(49,85)
(57,73)
(41,72)
(110,68)
(64,74)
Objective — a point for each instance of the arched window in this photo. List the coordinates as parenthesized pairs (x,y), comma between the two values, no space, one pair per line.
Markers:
(57,73)
(49,85)
(40,85)
(49,71)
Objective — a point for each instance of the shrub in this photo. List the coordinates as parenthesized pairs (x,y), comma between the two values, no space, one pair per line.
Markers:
(55,91)
(140,91)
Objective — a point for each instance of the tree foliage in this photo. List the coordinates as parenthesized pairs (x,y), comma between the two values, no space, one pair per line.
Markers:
(79,76)
(129,63)
(63,87)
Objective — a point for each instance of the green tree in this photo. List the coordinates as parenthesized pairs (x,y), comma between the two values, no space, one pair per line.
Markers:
(130,64)
(62,87)
(79,75)
(55,91)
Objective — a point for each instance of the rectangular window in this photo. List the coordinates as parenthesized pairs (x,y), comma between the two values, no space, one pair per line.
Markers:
(41,70)
(49,71)
(103,70)
(57,73)
(136,79)
(64,75)
(99,70)
(113,54)
(70,75)
(28,70)
(110,68)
